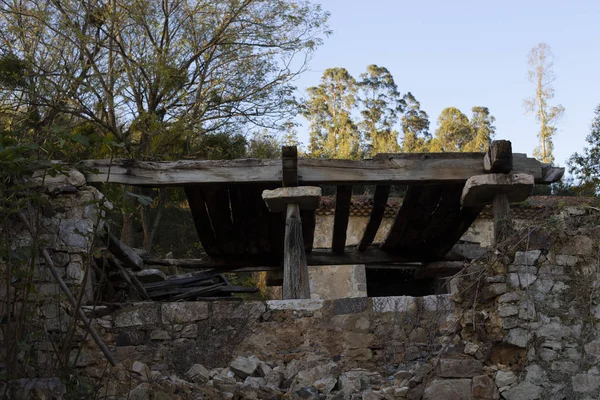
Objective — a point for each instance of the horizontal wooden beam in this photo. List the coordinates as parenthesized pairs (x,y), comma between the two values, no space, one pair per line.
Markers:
(480,190)
(383,169)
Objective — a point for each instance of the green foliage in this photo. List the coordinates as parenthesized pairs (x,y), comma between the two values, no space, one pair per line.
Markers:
(381,106)
(415,126)
(585,166)
(264,145)
(333,133)
(456,133)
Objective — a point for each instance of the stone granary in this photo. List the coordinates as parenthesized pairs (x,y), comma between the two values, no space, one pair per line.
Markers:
(519,321)
(261,214)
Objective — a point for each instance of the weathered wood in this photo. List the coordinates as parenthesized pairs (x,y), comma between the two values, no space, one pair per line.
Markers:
(307,198)
(343,198)
(419,203)
(289,166)
(503,227)
(384,169)
(202,222)
(480,190)
(243,217)
(380,199)
(295,270)
(219,211)
(124,253)
(309,222)
(551,173)
(499,158)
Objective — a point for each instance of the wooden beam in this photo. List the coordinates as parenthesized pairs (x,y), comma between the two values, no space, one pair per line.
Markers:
(289,166)
(380,198)
(295,270)
(383,169)
(499,157)
(343,197)
(480,190)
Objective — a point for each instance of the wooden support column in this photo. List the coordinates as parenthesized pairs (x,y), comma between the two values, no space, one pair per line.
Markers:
(499,160)
(292,199)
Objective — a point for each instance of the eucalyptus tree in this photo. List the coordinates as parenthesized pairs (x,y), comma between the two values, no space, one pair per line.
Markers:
(541,74)
(584,166)
(415,126)
(381,106)
(329,107)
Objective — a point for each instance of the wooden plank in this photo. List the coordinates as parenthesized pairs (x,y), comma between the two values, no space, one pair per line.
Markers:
(202,221)
(343,198)
(453,231)
(295,270)
(380,198)
(499,157)
(309,222)
(219,211)
(384,169)
(419,203)
(289,166)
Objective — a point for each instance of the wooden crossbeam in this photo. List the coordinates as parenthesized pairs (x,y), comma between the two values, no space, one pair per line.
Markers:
(343,199)
(383,169)
(380,198)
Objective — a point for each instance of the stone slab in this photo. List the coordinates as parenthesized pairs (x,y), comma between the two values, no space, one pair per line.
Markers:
(307,198)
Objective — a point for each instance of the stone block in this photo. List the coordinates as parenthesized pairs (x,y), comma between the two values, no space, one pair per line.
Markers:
(585,383)
(506,310)
(150,275)
(504,378)
(523,391)
(579,245)
(295,304)
(198,374)
(566,260)
(75,233)
(396,304)
(448,389)
(494,290)
(527,310)
(244,366)
(349,306)
(138,315)
(509,297)
(518,337)
(459,368)
(483,388)
(184,312)
(527,257)
(307,197)
(593,349)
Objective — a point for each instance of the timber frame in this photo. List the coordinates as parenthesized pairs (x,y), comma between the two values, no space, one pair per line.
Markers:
(445,194)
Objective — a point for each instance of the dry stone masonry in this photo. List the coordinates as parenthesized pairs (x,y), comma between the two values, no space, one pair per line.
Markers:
(521,323)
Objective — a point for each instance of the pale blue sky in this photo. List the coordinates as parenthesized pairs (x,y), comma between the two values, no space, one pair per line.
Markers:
(472,53)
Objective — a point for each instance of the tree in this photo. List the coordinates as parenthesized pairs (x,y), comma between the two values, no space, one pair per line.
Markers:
(541,74)
(454,131)
(264,144)
(585,166)
(415,126)
(333,133)
(382,104)
(483,129)
(161,78)
(138,71)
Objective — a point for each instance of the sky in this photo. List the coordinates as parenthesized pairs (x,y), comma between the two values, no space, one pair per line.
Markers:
(472,53)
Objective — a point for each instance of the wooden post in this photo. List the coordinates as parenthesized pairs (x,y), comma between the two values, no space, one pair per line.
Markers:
(502,218)
(295,270)
(499,159)
(291,199)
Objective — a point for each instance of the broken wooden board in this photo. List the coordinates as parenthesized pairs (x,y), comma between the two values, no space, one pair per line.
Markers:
(480,190)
